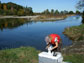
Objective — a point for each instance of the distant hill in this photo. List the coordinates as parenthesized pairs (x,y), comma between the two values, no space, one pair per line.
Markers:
(14,9)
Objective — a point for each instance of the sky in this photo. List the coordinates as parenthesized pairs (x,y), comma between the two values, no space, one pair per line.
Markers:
(41,5)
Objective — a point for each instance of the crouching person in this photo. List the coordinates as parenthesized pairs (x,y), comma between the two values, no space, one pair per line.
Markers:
(54,41)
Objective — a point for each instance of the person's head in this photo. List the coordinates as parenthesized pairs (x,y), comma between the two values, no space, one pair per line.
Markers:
(48,39)
(52,38)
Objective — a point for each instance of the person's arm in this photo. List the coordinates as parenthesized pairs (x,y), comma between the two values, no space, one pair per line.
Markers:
(55,46)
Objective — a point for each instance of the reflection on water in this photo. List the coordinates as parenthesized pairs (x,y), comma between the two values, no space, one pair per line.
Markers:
(21,32)
(12,23)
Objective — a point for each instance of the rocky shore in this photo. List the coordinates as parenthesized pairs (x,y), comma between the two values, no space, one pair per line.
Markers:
(76,33)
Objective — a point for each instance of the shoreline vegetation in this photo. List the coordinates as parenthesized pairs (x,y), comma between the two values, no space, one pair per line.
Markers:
(75,52)
(76,34)
(40,17)
(30,55)
(13,10)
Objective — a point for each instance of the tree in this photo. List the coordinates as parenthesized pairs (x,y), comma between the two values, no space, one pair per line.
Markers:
(77,12)
(20,12)
(14,9)
(46,12)
(0,4)
(28,11)
(1,12)
(4,7)
(62,12)
(71,12)
(65,12)
(52,11)
(56,12)
(80,6)
(83,17)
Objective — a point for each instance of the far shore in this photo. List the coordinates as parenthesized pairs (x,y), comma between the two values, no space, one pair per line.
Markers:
(28,17)
(39,17)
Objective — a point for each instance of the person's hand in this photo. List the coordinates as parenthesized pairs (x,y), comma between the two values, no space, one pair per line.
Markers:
(51,49)
(46,47)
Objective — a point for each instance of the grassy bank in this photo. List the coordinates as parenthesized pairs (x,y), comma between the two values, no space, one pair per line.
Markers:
(19,55)
(76,50)
(74,58)
(75,33)
(30,55)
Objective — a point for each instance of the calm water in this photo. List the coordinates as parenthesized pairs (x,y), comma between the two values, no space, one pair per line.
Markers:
(15,33)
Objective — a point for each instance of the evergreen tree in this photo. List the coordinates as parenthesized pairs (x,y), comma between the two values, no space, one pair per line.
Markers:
(65,12)
(56,12)
(46,12)
(52,11)
(62,12)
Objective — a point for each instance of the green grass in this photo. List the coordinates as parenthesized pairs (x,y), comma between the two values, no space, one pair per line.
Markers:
(19,55)
(75,32)
(30,55)
(74,58)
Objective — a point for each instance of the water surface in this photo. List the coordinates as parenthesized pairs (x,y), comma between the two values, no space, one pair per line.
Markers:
(15,33)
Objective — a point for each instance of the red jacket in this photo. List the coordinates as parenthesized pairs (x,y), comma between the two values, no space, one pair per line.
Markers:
(55,38)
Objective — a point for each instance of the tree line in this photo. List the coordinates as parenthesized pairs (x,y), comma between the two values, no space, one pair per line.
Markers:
(56,12)
(14,9)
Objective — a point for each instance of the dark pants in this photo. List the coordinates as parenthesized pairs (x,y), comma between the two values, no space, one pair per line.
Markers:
(58,49)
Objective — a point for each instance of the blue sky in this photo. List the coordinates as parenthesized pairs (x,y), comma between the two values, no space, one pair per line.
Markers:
(41,5)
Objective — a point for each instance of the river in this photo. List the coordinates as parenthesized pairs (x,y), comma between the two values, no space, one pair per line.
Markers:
(16,33)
